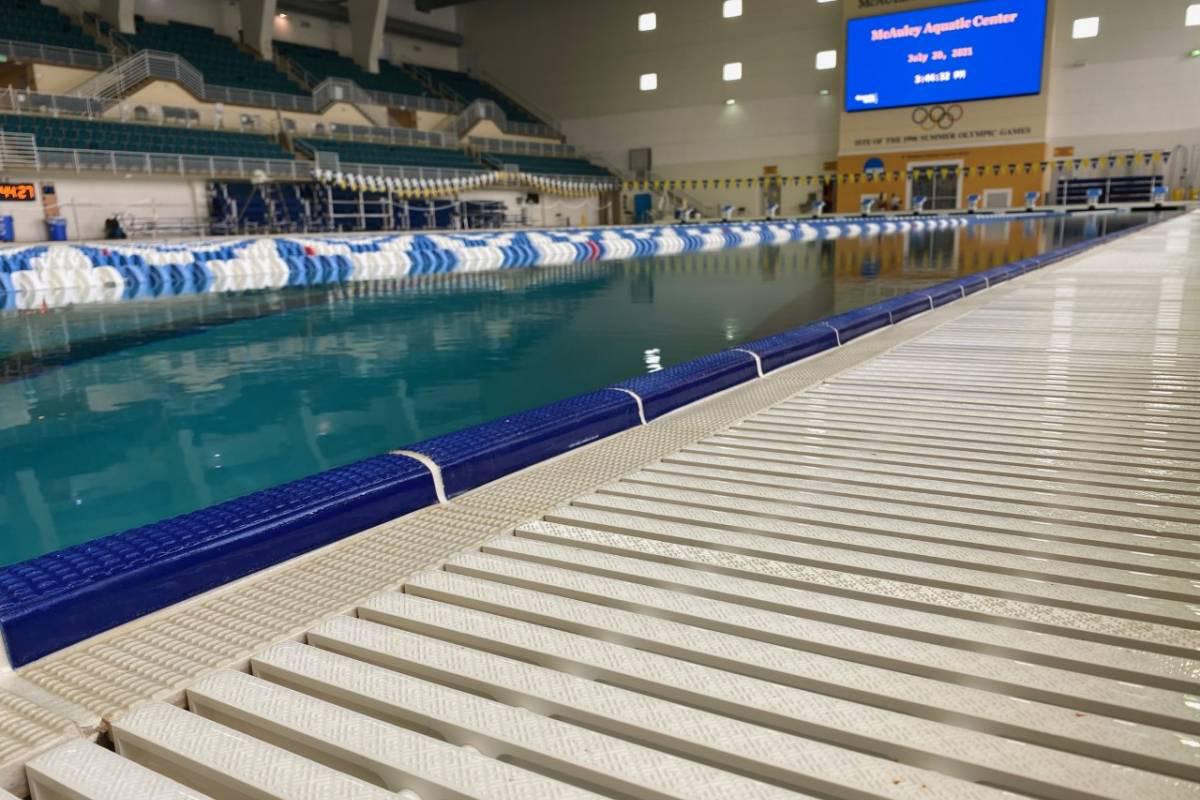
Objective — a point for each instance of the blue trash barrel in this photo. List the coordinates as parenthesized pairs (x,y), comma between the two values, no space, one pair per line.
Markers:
(6,229)
(57,228)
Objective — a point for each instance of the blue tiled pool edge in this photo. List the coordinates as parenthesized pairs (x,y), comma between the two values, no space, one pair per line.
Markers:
(62,598)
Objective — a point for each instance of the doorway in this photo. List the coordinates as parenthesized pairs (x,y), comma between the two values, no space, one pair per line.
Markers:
(939,182)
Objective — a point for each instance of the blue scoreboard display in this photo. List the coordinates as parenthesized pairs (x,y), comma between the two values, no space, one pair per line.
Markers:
(967,51)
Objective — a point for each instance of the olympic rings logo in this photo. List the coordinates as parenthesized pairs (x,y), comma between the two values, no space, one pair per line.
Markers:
(942,117)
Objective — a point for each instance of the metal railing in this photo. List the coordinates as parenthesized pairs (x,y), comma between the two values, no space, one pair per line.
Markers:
(398,136)
(50,54)
(20,101)
(126,163)
(18,151)
(488,110)
(521,147)
(129,73)
(395,171)
(412,102)
(406,102)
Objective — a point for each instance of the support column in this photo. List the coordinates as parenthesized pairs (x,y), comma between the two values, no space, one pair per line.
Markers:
(258,20)
(367,19)
(119,13)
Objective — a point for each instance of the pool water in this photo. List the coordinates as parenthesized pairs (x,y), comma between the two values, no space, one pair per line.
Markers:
(120,415)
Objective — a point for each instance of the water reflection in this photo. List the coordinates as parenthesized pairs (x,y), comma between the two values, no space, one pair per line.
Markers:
(116,416)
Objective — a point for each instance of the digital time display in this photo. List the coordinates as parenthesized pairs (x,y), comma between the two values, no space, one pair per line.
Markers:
(945,54)
(18,192)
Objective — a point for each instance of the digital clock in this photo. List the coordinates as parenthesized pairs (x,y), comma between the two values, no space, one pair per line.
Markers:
(18,192)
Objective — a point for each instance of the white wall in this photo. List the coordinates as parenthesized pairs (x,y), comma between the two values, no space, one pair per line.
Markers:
(581,62)
(1133,86)
(87,202)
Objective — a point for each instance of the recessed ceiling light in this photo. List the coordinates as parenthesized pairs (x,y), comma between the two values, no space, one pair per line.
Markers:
(823,92)
(648,82)
(1085,28)
(731,102)
(732,71)
(732,8)
(648,22)
(827,59)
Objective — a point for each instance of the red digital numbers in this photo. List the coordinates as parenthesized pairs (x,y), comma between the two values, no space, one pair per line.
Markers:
(18,192)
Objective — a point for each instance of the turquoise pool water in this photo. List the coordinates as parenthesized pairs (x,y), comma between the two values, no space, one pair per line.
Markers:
(120,415)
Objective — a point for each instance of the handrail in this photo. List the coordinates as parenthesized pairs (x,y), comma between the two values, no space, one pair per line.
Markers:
(521,147)
(482,109)
(18,150)
(20,101)
(68,56)
(398,136)
(121,163)
(371,96)
(398,171)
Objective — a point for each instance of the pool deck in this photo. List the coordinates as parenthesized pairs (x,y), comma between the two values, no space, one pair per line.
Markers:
(957,556)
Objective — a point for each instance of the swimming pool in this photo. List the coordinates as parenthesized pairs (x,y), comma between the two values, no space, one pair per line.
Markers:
(117,415)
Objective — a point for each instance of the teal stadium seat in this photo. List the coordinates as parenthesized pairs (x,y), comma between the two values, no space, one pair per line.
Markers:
(90,135)
(322,64)
(221,60)
(30,21)
(393,155)
(540,165)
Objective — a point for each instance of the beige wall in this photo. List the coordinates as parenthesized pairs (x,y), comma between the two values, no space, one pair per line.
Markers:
(86,202)
(163,93)
(51,79)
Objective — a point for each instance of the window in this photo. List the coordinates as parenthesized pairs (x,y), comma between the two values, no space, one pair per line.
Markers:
(1193,15)
(649,82)
(648,22)
(827,59)
(1085,28)
(732,8)
(732,72)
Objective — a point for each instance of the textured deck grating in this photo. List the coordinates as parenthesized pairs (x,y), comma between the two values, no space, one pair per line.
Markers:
(960,559)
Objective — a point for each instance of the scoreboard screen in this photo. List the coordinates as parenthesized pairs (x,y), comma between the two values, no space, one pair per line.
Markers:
(945,54)
(18,192)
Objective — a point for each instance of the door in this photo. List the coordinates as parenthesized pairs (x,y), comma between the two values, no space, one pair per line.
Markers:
(938,183)
(771,194)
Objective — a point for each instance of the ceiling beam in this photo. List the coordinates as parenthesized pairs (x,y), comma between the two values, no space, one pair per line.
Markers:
(336,12)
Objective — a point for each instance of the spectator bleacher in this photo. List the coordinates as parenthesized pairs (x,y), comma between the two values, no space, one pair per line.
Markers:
(82,134)
(460,84)
(323,64)
(394,155)
(218,57)
(542,165)
(31,21)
